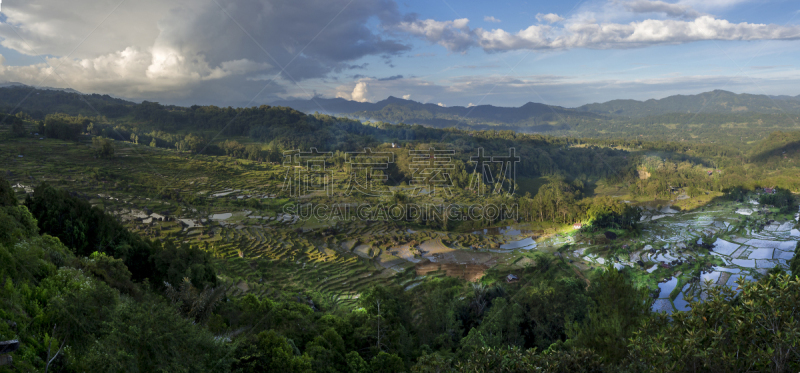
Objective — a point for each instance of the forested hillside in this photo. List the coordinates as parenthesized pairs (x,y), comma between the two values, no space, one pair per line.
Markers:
(714,102)
(112,311)
(718,116)
(160,240)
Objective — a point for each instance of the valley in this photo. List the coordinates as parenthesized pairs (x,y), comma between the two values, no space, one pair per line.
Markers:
(234,209)
(241,225)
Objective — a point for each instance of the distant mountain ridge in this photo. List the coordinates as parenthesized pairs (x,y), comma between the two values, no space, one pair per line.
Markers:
(41,101)
(17,84)
(714,102)
(673,115)
(395,109)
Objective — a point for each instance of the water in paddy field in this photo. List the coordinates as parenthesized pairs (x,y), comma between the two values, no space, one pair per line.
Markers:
(746,254)
(505,231)
(667,288)
(680,303)
(527,244)
(518,238)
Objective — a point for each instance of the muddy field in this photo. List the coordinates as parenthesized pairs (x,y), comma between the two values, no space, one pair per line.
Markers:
(469,272)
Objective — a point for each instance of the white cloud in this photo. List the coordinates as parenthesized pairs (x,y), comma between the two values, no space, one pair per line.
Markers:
(453,35)
(359,93)
(457,36)
(421,89)
(502,90)
(179,52)
(155,49)
(50,27)
(491,19)
(128,73)
(441,104)
(549,18)
(534,37)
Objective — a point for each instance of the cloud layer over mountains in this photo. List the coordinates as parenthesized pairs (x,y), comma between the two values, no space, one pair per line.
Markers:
(218,51)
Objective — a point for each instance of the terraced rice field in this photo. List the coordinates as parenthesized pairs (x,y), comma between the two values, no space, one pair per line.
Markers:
(739,249)
(234,210)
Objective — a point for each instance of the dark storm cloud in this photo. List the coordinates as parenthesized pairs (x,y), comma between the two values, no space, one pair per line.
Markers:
(207,50)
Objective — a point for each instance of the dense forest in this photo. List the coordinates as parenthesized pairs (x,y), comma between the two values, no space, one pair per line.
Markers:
(82,294)
(271,131)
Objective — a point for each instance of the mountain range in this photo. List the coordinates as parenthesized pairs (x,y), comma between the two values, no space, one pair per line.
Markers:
(715,107)
(532,115)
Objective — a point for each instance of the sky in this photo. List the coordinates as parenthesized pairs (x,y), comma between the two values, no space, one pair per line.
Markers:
(505,53)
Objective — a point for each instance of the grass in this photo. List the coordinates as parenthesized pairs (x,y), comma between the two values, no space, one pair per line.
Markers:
(698,201)
(274,255)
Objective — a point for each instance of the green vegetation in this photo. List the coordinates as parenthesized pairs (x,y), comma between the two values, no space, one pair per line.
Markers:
(781,199)
(161,238)
(718,117)
(64,127)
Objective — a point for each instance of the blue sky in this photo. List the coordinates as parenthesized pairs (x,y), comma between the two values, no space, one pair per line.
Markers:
(249,52)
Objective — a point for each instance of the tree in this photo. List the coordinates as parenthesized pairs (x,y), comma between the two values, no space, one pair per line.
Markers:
(795,263)
(550,305)
(327,352)
(150,336)
(782,199)
(386,320)
(103,147)
(437,325)
(356,364)
(111,270)
(174,263)
(17,223)
(500,327)
(82,309)
(432,363)
(752,328)
(192,303)
(517,360)
(387,363)
(18,128)
(7,195)
(269,352)
(64,127)
(617,311)
(194,143)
